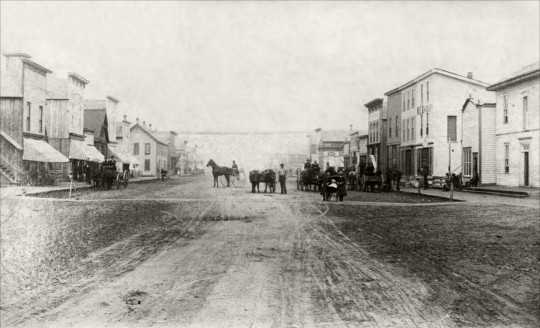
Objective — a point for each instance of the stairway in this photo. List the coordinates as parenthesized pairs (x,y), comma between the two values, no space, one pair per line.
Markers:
(7,176)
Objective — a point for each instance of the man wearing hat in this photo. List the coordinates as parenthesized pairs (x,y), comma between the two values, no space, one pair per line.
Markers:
(307,165)
(282,173)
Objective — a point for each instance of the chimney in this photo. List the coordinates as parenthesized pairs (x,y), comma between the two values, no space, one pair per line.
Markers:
(137,120)
(150,126)
(351,127)
(144,123)
(469,75)
(125,117)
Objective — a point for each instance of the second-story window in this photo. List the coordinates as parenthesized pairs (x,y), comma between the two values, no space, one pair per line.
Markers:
(427,91)
(28,111)
(397,129)
(412,101)
(452,128)
(505,109)
(525,110)
(408,99)
(40,119)
(147,149)
(389,127)
(403,97)
(412,129)
(403,130)
(136,148)
(408,134)
(421,93)
(377,132)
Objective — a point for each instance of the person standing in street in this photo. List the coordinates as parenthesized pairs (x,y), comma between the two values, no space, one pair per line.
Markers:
(425,173)
(282,173)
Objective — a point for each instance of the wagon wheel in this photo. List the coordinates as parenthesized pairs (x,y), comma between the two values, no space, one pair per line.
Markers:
(126,178)
(223,180)
(363,182)
(118,181)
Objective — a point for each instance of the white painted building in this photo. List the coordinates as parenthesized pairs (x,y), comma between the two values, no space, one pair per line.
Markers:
(431,109)
(517,128)
(149,151)
(478,142)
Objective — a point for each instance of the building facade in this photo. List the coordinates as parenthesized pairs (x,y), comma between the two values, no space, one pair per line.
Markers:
(23,108)
(393,131)
(517,128)
(478,161)
(150,152)
(430,131)
(377,120)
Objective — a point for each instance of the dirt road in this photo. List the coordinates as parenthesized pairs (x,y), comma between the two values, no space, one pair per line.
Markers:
(180,254)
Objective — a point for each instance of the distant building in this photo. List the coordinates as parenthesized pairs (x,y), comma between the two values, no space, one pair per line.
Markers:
(169,138)
(123,147)
(393,129)
(330,148)
(478,161)
(376,131)
(431,109)
(517,128)
(148,149)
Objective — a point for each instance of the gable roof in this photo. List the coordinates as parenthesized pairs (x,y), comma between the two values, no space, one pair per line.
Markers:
(95,120)
(137,125)
(525,73)
(471,101)
(436,71)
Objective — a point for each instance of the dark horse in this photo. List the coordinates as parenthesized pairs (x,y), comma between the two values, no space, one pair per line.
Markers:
(266,176)
(219,170)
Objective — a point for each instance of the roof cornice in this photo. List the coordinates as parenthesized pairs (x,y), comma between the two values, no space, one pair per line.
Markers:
(514,80)
(436,71)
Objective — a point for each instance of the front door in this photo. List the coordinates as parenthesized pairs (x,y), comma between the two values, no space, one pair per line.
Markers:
(526,168)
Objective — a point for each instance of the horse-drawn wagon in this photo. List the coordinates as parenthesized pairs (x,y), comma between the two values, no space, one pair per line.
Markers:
(224,175)
(371,181)
(105,176)
(307,178)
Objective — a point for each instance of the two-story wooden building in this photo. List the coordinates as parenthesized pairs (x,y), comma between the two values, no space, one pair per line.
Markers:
(24,151)
(148,149)
(517,128)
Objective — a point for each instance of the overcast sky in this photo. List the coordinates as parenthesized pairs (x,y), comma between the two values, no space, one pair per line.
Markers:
(244,66)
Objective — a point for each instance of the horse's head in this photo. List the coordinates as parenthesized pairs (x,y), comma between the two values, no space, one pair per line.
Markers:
(210,162)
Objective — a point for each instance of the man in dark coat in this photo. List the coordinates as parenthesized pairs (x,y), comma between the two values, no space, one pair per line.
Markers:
(425,173)
(307,164)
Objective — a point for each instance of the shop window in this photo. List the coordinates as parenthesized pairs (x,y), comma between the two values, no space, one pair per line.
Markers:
(147,165)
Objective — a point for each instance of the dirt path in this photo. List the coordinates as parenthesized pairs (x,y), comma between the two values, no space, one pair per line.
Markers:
(267,261)
(245,260)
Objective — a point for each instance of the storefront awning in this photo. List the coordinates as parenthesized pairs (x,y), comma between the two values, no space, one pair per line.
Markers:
(79,150)
(96,156)
(133,159)
(40,151)
(119,156)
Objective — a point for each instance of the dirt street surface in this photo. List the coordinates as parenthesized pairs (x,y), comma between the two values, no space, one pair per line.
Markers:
(182,254)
